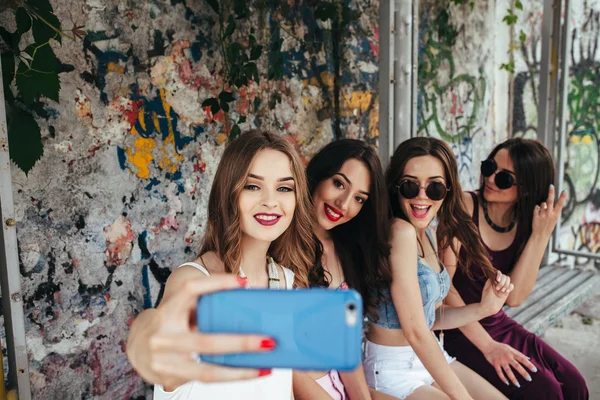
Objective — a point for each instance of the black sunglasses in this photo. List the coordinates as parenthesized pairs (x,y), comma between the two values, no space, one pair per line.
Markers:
(503,179)
(436,191)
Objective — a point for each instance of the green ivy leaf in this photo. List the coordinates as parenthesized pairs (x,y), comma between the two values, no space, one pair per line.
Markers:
(213,104)
(226,97)
(230,27)
(214,4)
(241,81)
(23,20)
(252,70)
(42,32)
(242,119)
(6,36)
(510,67)
(8,69)
(256,104)
(510,19)
(233,52)
(41,77)
(224,106)
(24,140)
(522,36)
(256,52)
(251,40)
(240,9)
(40,5)
(11,39)
(235,132)
(518,5)
(325,11)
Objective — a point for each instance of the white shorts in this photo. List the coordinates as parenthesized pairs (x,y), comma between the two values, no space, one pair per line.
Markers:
(396,370)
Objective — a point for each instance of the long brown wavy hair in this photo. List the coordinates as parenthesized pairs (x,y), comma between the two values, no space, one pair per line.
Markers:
(361,244)
(295,248)
(534,170)
(453,219)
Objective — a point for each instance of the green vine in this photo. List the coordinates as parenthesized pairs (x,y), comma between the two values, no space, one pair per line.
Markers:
(242,58)
(511,19)
(239,63)
(30,74)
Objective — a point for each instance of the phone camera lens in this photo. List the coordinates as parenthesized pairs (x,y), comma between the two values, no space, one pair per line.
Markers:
(351,306)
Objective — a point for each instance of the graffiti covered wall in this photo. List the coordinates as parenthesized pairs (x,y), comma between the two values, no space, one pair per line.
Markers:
(463,96)
(119,197)
(580,229)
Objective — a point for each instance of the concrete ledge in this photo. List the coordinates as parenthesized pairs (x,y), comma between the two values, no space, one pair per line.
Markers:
(558,291)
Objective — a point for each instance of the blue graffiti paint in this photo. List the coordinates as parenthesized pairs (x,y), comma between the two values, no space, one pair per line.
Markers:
(143,245)
(153,182)
(122,157)
(146,284)
(103,59)
(196,52)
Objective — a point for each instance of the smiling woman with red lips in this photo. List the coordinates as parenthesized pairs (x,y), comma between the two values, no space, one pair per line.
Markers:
(258,210)
(348,193)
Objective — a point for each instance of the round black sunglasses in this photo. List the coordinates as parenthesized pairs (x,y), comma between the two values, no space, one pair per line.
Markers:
(434,190)
(503,179)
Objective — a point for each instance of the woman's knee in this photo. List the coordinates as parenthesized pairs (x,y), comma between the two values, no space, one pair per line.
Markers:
(544,385)
(574,386)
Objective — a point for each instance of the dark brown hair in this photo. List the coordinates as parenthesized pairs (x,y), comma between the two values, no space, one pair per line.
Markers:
(453,219)
(534,170)
(361,244)
(295,248)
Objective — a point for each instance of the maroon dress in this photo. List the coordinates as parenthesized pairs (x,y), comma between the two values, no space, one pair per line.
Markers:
(556,378)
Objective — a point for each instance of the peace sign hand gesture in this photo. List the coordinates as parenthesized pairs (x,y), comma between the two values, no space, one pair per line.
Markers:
(546,214)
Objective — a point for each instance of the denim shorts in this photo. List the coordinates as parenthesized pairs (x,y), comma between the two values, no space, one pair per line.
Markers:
(396,370)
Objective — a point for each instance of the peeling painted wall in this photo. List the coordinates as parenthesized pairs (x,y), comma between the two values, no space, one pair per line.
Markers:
(119,197)
(467,100)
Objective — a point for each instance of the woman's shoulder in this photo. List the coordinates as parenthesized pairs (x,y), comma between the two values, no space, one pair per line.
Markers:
(469,201)
(401,228)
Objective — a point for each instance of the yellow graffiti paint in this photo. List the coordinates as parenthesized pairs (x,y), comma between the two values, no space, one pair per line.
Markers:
(115,67)
(221,138)
(326,77)
(141,155)
(587,139)
(144,149)
(170,159)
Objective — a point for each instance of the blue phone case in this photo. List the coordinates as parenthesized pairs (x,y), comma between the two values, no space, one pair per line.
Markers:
(313,328)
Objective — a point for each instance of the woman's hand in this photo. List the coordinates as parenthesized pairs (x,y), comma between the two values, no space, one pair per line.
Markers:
(495,293)
(164,344)
(546,214)
(503,357)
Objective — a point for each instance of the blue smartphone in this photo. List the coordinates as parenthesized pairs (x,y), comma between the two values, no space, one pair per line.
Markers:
(315,329)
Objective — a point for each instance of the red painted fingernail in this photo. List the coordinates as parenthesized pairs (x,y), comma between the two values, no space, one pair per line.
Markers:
(242,281)
(267,344)
(264,372)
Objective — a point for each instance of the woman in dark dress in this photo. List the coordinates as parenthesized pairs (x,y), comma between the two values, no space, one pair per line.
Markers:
(515,212)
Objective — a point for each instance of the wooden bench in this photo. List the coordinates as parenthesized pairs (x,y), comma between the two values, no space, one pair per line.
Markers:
(557,292)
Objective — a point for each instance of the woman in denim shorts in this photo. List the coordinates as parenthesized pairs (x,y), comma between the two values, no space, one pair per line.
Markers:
(403,358)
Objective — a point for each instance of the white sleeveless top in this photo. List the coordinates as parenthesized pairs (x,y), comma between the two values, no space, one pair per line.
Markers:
(277,386)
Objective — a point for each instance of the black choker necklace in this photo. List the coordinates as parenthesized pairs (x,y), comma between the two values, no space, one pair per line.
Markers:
(491,223)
